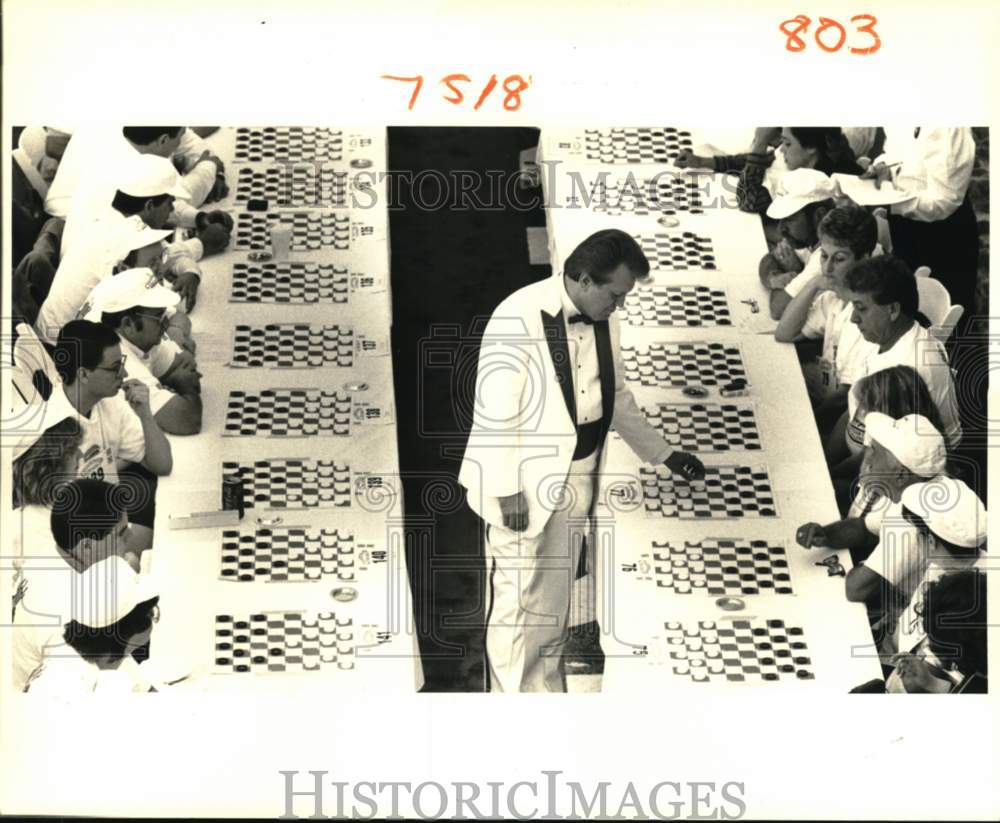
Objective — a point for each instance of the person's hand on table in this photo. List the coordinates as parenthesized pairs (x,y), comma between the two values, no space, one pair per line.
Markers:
(184,380)
(879,172)
(786,256)
(918,676)
(216,217)
(183,360)
(514,509)
(186,285)
(685,465)
(687,159)
(220,189)
(812,535)
(137,395)
(780,280)
(214,238)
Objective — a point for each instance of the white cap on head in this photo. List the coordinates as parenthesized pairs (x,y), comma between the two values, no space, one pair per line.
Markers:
(131,233)
(950,509)
(130,289)
(107,591)
(912,440)
(797,189)
(147,175)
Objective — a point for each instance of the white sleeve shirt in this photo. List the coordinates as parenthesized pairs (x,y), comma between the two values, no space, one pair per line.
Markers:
(582,344)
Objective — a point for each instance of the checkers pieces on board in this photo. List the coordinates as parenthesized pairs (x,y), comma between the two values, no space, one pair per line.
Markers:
(288,144)
(292,186)
(677,365)
(292,346)
(280,483)
(677,251)
(289,283)
(311,231)
(287,555)
(663,194)
(706,426)
(749,650)
(283,642)
(726,491)
(288,413)
(635,145)
(722,567)
(677,306)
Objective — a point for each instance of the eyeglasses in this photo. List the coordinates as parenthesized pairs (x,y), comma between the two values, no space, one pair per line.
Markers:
(118,368)
(162,319)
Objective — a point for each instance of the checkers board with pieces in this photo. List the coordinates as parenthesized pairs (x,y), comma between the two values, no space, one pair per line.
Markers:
(291,186)
(734,567)
(635,145)
(677,251)
(283,642)
(288,413)
(288,144)
(289,283)
(726,491)
(287,555)
(706,426)
(311,231)
(663,194)
(292,483)
(677,365)
(677,306)
(744,650)
(292,346)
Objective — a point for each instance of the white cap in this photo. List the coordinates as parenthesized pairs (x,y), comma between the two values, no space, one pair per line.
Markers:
(797,189)
(912,440)
(950,509)
(131,233)
(147,175)
(107,591)
(132,288)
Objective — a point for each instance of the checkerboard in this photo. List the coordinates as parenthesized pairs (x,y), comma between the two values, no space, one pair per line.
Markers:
(635,145)
(665,194)
(726,491)
(292,346)
(288,413)
(677,306)
(721,566)
(677,365)
(706,426)
(311,231)
(289,283)
(288,144)
(287,555)
(292,186)
(283,642)
(280,483)
(677,251)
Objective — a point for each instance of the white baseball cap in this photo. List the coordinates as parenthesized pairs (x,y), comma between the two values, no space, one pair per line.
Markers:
(950,509)
(797,189)
(131,233)
(912,440)
(147,175)
(107,591)
(132,288)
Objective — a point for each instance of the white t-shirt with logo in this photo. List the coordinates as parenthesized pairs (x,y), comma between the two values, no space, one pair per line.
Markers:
(112,435)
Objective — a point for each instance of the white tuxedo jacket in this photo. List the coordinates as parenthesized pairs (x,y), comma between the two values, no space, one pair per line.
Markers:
(524,432)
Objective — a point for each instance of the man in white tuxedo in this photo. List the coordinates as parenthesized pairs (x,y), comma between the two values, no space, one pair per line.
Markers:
(550,385)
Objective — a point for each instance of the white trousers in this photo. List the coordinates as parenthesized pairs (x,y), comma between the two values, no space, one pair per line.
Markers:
(529,585)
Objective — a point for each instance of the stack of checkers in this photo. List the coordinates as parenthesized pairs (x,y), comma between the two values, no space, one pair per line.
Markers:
(722,566)
(311,231)
(292,144)
(663,194)
(680,365)
(288,413)
(726,491)
(635,145)
(300,186)
(289,283)
(280,642)
(740,651)
(701,426)
(678,251)
(292,345)
(287,555)
(677,306)
(280,483)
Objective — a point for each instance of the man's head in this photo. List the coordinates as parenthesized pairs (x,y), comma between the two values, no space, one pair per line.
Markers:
(107,644)
(134,304)
(802,199)
(900,453)
(954,620)
(88,522)
(147,187)
(602,270)
(90,355)
(847,234)
(161,141)
(884,294)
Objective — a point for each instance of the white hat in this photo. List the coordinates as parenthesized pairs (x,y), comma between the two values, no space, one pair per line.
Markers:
(130,233)
(912,440)
(107,591)
(797,189)
(130,289)
(950,509)
(147,175)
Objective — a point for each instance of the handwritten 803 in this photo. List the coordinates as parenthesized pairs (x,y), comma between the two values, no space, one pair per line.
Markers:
(513,86)
(831,35)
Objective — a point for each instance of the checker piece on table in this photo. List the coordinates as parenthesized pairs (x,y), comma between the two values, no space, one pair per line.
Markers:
(635,145)
(721,566)
(726,491)
(311,231)
(291,186)
(287,555)
(289,283)
(662,195)
(677,251)
(280,483)
(677,306)
(292,345)
(679,365)
(288,413)
(288,144)
(703,426)
(283,642)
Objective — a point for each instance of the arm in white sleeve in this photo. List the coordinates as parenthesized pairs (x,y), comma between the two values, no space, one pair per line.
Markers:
(947,171)
(186,250)
(190,148)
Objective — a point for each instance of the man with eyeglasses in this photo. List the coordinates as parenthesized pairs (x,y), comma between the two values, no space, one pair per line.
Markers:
(134,305)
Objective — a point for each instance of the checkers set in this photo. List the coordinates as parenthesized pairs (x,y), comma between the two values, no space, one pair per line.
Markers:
(706,426)
(635,145)
(677,306)
(665,194)
(677,251)
(288,144)
(293,186)
(721,567)
(726,491)
(280,483)
(287,555)
(292,345)
(311,231)
(677,365)
(266,642)
(288,413)
(289,283)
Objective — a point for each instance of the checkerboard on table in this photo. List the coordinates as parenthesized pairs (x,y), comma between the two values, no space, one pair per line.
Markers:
(743,650)
(680,365)
(726,491)
(706,426)
(283,642)
(288,413)
(288,144)
(292,346)
(665,194)
(677,251)
(285,282)
(292,483)
(311,231)
(677,306)
(635,145)
(721,566)
(292,186)
(287,555)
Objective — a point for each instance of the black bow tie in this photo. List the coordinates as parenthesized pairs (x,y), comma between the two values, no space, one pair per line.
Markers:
(581,318)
